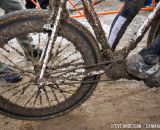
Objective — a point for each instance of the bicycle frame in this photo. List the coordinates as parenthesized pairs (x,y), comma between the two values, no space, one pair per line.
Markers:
(65,75)
(94,21)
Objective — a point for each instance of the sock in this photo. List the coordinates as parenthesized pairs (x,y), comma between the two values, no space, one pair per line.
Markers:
(122,20)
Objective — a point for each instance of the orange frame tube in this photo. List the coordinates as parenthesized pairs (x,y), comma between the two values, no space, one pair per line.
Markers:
(116,11)
(75,7)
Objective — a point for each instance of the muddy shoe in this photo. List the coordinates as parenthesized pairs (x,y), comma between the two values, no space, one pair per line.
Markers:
(138,68)
(9,75)
(153,80)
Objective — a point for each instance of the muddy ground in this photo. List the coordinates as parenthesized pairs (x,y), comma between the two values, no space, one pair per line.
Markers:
(121,102)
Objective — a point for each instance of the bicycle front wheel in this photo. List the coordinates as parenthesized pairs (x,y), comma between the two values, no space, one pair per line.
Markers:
(66,85)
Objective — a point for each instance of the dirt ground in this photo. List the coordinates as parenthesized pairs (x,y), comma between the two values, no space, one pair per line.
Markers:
(119,102)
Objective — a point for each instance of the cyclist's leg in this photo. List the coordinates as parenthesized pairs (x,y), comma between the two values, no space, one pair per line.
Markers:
(11,5)
(123,19)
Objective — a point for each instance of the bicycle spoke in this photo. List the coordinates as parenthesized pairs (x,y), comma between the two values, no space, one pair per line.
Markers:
(57,57)
(16,50)
(22,93)
(40,99)
(55,54)
(37,95)
(46,94)
(70,64)
(70,77)
(21,70)
(39,40)
(57,49)
(26,103)
(61,91)
(74,68)
(65,58)
(67,46)
(14,94)
(30,56)
(17,86)
(38,47)
(16,67)
(52,90)
(4,49)
(8,59)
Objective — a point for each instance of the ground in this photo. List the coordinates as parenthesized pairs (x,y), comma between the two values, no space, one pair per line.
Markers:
(121,102)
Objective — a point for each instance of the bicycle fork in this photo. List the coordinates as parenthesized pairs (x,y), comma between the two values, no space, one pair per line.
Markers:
(52,27)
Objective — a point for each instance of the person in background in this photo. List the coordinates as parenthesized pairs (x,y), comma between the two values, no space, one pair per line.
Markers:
(148,3)
(9,6)
(25,42)
(43,4)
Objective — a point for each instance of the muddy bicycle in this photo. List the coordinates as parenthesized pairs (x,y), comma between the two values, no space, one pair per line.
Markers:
(71,64)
